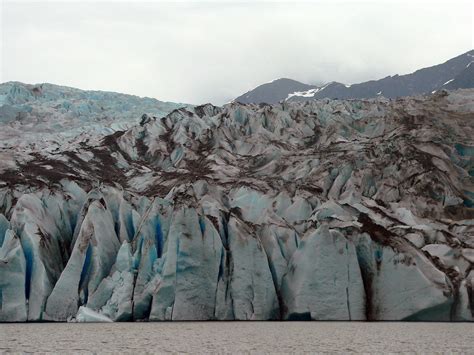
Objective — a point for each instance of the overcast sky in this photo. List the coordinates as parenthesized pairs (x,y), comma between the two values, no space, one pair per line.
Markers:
(198,52)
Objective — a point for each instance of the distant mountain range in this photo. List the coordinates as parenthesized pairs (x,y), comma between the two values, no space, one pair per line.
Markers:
(453,74)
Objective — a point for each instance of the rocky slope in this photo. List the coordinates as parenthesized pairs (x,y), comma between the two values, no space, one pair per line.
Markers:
(324,210)
(453,74)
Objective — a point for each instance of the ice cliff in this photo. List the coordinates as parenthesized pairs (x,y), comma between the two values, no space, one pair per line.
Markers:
(323,210)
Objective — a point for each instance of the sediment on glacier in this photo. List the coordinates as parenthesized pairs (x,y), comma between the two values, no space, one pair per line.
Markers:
(324,210)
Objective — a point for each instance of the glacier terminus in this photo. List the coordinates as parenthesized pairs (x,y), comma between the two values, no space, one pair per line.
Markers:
(314,210)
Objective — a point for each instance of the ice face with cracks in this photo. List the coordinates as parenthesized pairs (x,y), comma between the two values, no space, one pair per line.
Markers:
(322,210)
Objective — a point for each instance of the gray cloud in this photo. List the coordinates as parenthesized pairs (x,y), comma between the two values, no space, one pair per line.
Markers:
(214,51)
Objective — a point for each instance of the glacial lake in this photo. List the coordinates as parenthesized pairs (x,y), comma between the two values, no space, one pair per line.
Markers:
(231,337)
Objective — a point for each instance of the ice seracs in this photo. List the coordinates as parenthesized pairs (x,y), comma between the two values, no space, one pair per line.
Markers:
(321,210)
(323,280)
(92,258)
(12,280)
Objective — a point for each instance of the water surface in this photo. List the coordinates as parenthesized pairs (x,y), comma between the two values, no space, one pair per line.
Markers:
(258,337)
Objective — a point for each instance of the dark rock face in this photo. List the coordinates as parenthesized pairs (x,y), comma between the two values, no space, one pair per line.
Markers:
(454,74)
(323,210)
(273,92)
(464,80)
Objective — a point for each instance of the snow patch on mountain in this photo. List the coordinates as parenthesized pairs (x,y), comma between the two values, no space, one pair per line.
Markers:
(308,93)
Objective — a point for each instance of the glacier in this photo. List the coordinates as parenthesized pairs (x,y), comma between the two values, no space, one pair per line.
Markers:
(318,210)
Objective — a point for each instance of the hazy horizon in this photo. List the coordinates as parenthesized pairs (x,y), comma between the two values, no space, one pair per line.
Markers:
(196,52)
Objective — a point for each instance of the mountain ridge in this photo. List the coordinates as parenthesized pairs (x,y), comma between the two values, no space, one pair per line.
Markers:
(421,81)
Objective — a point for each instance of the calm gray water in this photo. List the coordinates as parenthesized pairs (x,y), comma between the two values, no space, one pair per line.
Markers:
(231,337)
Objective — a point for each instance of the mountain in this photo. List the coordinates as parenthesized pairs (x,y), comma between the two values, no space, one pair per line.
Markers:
(323,210)
(423,81)
(464,80)
(274,91)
